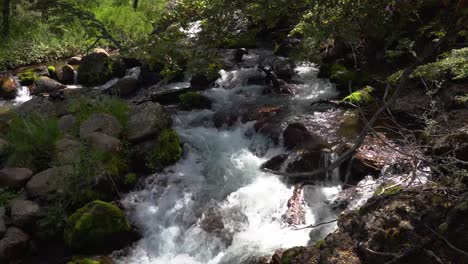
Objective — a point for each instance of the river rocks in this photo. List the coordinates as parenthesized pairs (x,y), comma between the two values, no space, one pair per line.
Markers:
(275,163)
(202,82)
(146,121)
(169,97)
(8,88)
(2,222)
(97,226)
(455,143)
(45,84)
(47,182)
(66,75)
(102,142)
(14,244)
(239,54)
(100,122)
(192,100)
(74,60)
(297,135)
(24,213)
(304,160)
(225,118)
(96,68)
(14,177)
(66,123)
(37,106)
(67,151)
(125,86)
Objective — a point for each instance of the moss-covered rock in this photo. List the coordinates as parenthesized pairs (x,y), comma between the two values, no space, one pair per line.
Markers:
(360,97)
(340,75)
(97,68)
(27,77)
(52,71)
(97,226)
(193,100)
(165,152)
(84,261)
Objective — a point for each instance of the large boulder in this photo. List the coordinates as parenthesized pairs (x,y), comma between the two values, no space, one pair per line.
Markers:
(96,227)
(8,88)
(147,121)
(74,60)
(102,142)
(202,82)
(24,213)
(297,135)
(14,177)
(47,182)
(45,84)
(100,122)
(96,68)
(126,86)
(66,74)
(67,151)
(14,244)
(37,106)
(193,100)
(67,123)
(275,163)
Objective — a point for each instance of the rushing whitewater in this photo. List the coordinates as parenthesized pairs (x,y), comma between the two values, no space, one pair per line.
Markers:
(215,205)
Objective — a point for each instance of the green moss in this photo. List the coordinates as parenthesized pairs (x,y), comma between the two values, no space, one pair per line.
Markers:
(384,190)
(97,225)
(340,75)
(89,75)
(166,151)
(453,63)
(130,179)
(443,228)
(52,70)
(6,195)
(461,99)
(360,97)
(84,261)
(192,100)
(320,243)
(27,77)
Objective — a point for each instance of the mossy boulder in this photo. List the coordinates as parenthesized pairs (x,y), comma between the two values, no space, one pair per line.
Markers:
(96,227)
(340,75)
(27,77)
(360,97)
(96,68)
(52,71)
(166,151)
(193,100)
(94,260)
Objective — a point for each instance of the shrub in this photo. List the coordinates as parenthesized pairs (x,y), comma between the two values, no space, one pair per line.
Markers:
(31,142)
(166,151)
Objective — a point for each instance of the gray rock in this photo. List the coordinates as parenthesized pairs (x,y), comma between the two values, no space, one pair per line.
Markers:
(47,182)
(47,85)
(74,60)
(66,151)
(125,86)
(23,212)
(2,222)
(14,244)
(95,68)
(14,177)
(103,123)
(66,75)
(103,142)
(37,106)
(146,121)
(67,123)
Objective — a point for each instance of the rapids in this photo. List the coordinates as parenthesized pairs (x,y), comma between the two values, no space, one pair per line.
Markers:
(215,205)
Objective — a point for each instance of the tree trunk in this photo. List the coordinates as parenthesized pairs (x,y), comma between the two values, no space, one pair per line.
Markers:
(6,17)
(135,4)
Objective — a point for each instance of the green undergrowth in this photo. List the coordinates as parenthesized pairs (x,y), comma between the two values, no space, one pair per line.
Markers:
(31,142)
(360,97)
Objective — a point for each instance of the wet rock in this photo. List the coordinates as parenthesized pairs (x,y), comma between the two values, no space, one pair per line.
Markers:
(146,121)
(14,244)
(275,163)
(297,135)
(114,230)
(259,79)
(126,86)
(192,100)
(455,143)
(301,255)
(150,77)
(2,222)
(103,123)
(74,60)
(262,113)
(45,84)
(67,151)
(170,96)
(24,213)
(14,177)
(102,142)
(286,46)
(295,214)
(67,124)
(37,106)
(96,68)
(8,88)
(212,222)
(304,160)
(47,182)
(202,82)
(66,75)
(239,54)
(225,118)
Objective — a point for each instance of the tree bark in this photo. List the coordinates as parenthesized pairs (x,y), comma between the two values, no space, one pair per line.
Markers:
(6,17)
(135,4)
